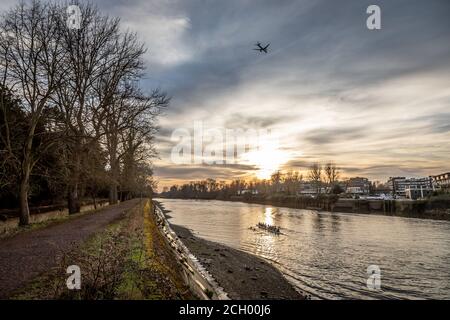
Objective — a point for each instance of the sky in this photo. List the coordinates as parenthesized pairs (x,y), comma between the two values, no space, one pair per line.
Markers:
(375,102)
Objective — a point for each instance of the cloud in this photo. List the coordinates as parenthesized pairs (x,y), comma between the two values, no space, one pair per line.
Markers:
(198,172)
(375,102)
(334,90)
(161,25)
(239,120)
(337,134)
(436,123)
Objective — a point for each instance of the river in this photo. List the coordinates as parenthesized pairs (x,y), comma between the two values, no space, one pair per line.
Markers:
(327,254)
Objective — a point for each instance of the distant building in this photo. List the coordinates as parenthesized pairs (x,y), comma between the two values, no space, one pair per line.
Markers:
(382,191)
(354,190)
(307,188)
(417,193)
(399,185)
(358,185)
(247,191)
(441,181)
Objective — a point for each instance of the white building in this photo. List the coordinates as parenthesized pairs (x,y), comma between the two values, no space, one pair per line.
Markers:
(399,185)
(358,185)
(415,193)
(441,181)
(247,191)
(355,190)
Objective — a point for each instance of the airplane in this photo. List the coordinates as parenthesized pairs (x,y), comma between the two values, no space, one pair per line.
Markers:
(260,48)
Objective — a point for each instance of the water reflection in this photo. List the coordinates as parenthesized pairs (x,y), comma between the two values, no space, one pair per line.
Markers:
(327,254)
(268,216)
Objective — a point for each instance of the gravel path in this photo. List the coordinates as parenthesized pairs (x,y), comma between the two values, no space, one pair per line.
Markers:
(30,253)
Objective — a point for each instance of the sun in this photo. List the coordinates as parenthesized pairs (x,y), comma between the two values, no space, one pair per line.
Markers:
(268,161)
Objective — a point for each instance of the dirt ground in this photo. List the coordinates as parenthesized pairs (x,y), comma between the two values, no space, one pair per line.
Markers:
(28,254)
(242,275)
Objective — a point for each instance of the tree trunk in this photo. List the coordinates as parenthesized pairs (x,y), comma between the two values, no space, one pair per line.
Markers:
(24,218)
(113,194)
(95,202)
(73,201)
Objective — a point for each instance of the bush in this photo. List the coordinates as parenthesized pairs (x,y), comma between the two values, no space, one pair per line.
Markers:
(102,269)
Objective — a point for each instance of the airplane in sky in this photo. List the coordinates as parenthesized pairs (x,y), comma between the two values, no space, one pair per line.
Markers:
(260,48)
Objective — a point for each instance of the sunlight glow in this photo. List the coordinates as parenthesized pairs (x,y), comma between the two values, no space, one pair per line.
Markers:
(268,216)
(268,160)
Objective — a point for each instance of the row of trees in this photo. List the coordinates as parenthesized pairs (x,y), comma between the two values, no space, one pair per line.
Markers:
(291,182)
(73,116)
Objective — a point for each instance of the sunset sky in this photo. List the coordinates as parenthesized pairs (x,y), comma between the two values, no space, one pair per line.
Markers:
(377,103)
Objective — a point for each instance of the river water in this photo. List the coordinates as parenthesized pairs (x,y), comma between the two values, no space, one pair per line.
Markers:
(327,254)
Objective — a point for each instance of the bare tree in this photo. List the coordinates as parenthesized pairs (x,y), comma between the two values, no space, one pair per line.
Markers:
(131,114)
(12,124)
(276,181)
(31,55)
(315,175)
(78,93)
(291,181)
(332,174)
(101,102)
(90,54)
(136,148)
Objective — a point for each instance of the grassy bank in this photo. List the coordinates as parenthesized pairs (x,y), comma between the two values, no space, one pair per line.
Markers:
(128,260)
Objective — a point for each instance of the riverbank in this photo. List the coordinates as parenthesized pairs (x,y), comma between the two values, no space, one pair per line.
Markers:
(122,240)
(242,275)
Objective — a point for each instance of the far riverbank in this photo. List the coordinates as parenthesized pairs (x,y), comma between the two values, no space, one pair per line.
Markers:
(436,209)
